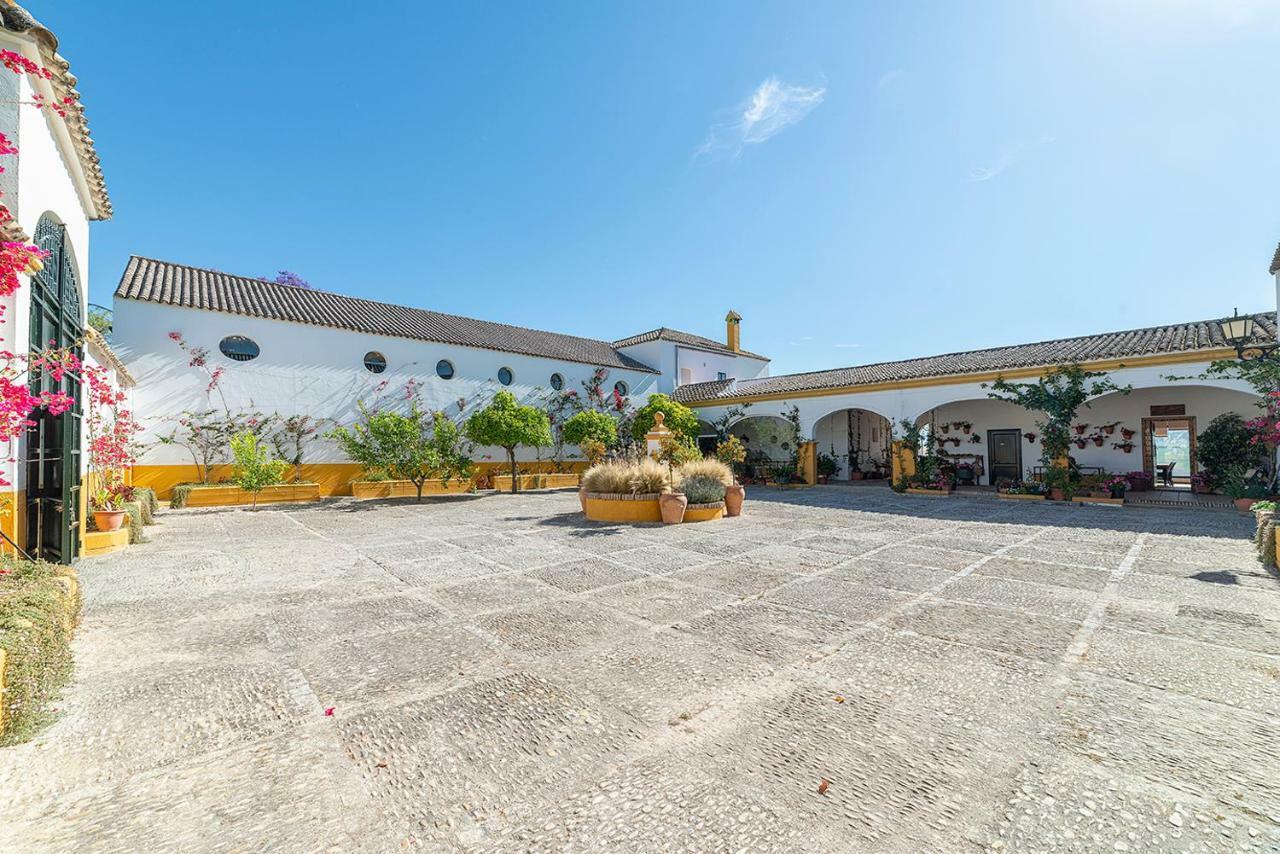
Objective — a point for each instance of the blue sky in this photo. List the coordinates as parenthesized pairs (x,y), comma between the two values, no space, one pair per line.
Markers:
(860,181)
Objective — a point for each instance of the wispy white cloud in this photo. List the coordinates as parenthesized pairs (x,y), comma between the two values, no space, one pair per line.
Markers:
(770,109)
(889,78)
(1008,156)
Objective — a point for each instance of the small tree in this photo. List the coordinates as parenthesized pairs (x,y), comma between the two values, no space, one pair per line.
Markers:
(1056,396)
(507,424)
(255,469)
(591,425)
(415,446)
(678,417)
(290,438)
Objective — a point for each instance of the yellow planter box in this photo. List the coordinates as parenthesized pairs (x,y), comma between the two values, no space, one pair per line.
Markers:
(231,495)
(911,490)
(502,482)
(704,512)
(105,542)
(622,508)
(1020,497)
(366,489)
(1089,499)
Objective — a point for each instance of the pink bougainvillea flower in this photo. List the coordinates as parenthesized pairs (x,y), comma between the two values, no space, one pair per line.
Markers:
(328,713)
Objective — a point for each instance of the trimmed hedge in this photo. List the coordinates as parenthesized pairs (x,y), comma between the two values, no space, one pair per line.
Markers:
(39,609)
(133,510)
(146,498)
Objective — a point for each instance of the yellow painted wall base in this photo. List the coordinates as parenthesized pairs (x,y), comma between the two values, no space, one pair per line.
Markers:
(1015,496)
(694,513)
(915,491)
(367,489)
(13,519)
(502,482)
(105,542)
(228,496)
(332,478)
(622,509)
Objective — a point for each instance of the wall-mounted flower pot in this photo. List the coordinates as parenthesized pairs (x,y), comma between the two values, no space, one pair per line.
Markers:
(1127,433)
(1030,437)
(1098,440)
(1079,428)
(108,520)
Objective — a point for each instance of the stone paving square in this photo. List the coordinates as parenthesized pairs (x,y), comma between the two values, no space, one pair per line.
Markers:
(837,670)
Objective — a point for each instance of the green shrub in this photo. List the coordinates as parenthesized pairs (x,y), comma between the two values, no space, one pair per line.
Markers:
(134,513)
(590,425)
(678,418)
(1223,447)
(39,609)
(708,468)
(146,498)
(703,489)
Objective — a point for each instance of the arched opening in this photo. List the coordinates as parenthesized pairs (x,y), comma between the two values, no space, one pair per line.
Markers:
(770,442)
(53,441)
(987,441)
(708,438)
(855,443)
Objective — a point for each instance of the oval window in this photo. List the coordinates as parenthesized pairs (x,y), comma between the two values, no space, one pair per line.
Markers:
(444,369)
(505,376)
(375,362)
(621,388)
(557,382)
(239,348)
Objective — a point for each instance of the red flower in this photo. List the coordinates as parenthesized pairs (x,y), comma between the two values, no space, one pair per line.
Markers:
(328,713)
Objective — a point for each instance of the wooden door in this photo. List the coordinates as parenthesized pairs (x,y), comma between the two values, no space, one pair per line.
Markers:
(1004,455)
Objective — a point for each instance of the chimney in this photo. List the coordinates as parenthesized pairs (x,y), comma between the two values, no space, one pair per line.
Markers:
(733,339)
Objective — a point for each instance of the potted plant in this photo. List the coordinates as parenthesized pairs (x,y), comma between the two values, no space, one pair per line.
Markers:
(732,453)
(946,427)
(1058,480)
(1200,484)
(966,426)
(1127,433)
(1030,437)
(1242,489)
(1139,481)
(1079,428)
(1263,510)
(1098,439)
(1080,442)
(828,467)
(1110,428)
(1116,485)
(1127,447)
(108,510)
(976,439)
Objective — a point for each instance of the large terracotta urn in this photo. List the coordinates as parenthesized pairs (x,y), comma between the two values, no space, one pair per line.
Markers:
(672,505)
(733,496)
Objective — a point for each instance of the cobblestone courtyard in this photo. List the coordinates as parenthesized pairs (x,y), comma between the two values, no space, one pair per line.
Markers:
(963,674)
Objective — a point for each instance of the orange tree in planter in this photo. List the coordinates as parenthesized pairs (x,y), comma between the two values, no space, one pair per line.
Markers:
(505,423)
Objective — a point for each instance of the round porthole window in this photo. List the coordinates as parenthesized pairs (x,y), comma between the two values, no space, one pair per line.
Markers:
(239,348)
(557,382)
(621,388)
(505,376)
(444,369)
(375,362)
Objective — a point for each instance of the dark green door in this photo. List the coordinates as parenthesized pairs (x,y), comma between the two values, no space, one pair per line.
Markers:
(1004,451)
(53,441)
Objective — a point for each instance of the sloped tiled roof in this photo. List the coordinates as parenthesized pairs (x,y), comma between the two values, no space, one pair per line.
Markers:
(149,280)
(15,19)
(687,339)
(1275,261)
(1178,338)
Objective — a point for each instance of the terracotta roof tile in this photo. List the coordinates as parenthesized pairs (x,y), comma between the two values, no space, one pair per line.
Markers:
(1178,338)
(149,280)
(688,339)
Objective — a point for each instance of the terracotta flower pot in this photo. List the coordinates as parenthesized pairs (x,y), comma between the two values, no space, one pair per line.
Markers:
(672,505)
(1098,440)
(733,497)
(1243,504)
(108,520)
(1057,495)
(857,475)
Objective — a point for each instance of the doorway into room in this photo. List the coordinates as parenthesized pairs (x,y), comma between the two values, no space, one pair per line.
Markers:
(1004,450)
(1169,450)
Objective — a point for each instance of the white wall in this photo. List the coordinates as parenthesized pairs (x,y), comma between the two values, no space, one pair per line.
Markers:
(1203,399)
(669,358)
(40,182)
(314,370)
